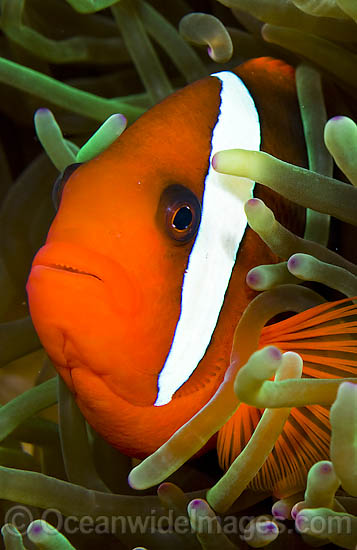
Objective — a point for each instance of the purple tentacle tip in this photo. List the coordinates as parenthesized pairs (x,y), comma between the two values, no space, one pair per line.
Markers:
(164,487)
(325,468)
(36,529)
(130,482)
(293,262)
(295,510)
(274,353)
(253,203)
(301,522)
(337,118)
(117,117)
(270,527)
(253,278)
(279,512)
(214,162)
(195,504)
(41,111)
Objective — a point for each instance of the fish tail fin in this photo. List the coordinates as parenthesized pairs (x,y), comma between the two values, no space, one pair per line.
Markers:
(325,336)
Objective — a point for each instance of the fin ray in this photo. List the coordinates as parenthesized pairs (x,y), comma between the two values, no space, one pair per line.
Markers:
(316,335)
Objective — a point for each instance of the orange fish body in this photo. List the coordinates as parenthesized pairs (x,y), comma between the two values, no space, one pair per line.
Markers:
(106,290)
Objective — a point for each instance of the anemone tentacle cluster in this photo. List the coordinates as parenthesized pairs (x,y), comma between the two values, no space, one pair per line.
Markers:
(80,64)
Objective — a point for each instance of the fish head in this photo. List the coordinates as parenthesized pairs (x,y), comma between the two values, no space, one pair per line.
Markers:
(105,289)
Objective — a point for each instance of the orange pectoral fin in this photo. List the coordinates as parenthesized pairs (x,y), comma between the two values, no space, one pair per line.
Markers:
(325,336)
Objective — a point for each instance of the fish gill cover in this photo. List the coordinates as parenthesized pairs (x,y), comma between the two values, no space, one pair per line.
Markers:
(84,68)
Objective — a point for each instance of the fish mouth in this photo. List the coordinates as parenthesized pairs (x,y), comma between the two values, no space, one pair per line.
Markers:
(71,269)
(77,263)
(70,259)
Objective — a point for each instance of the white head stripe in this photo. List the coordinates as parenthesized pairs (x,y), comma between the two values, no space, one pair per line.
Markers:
(221,230)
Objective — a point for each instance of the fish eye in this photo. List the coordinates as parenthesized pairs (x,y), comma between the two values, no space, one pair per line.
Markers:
(182,218)
(60,183)
(182,212)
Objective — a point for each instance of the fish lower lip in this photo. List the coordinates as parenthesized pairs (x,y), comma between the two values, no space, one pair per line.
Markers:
(72,270)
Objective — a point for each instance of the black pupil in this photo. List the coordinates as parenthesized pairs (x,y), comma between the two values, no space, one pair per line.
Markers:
(183,218)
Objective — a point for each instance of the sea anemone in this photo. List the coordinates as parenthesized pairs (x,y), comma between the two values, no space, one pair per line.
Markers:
(69,62)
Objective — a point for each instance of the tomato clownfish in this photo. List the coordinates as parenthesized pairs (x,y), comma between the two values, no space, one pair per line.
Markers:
(140,285)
